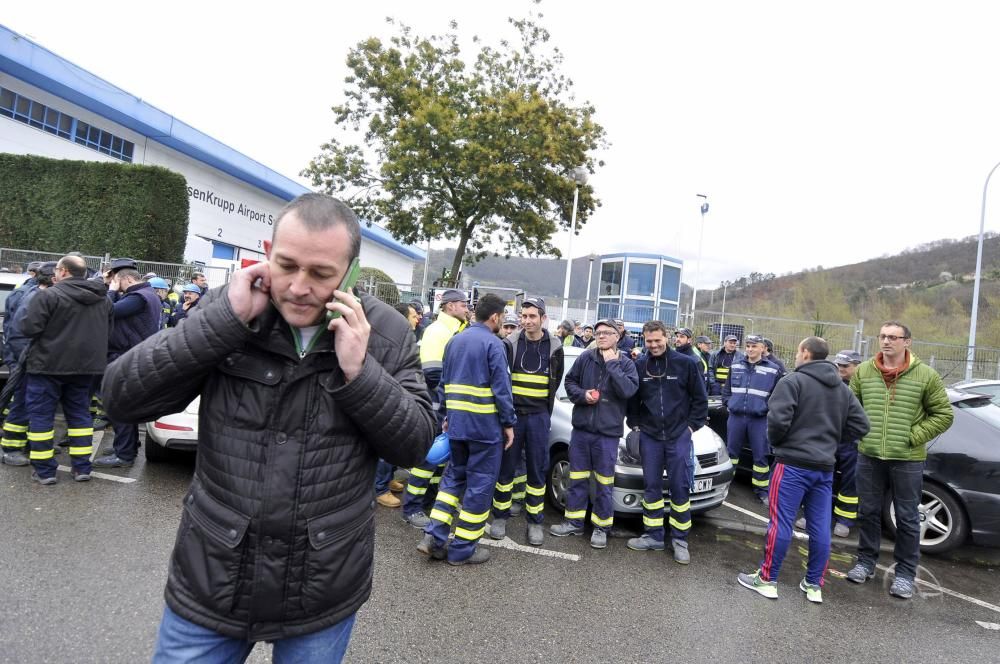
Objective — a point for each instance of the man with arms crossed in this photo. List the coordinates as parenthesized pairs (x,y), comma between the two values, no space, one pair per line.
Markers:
(276,535)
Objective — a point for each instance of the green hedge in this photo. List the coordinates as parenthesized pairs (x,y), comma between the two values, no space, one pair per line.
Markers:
(92,207)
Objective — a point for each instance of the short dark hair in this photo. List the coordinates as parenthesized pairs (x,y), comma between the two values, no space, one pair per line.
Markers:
(654,326)
(128,273)
(818,348)
(488,305)
(75,265)
(896,323)
(43,279)
(318,212)
(196,275)
(404,308)
(567,325)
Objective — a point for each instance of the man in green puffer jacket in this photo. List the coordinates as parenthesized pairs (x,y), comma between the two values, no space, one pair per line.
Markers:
(907,407)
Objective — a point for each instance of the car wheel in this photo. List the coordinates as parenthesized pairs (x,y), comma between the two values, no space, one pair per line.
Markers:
(943,524)
(154,451)
(558,483)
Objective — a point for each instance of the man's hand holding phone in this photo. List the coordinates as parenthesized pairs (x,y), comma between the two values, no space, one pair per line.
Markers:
(250,291)
(350,332)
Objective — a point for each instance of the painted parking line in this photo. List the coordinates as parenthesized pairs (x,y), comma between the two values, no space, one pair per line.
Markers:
(102,476)
(927,584)
(508,543)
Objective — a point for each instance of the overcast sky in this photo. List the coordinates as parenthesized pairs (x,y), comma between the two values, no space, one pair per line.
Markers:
(823,133)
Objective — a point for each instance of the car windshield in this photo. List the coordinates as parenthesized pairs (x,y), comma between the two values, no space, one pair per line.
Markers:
(982,409)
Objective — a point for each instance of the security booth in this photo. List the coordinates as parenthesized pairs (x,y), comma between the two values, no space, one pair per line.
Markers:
(639,287)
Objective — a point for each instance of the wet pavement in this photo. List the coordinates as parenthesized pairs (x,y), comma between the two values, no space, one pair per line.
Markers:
(85,566)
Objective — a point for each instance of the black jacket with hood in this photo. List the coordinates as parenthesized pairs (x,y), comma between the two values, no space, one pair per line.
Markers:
(810,413)
(277,531)
(68,324)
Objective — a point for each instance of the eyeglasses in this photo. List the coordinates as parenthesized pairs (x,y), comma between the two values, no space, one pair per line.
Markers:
(890,337)
(605,333)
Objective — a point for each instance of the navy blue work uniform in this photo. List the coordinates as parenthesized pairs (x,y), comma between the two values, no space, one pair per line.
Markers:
(15,416)
(845,505)
(536,370)
(478,405)
(597,429)
(671,404)
(745,395)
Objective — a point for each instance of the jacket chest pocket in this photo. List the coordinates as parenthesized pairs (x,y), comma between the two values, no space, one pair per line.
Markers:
(210,549)
(339,557)
(246,388)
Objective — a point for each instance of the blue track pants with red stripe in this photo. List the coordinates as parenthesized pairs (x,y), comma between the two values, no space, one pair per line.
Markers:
(792,487)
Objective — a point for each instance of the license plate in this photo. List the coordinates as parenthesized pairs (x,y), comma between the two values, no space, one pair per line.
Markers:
(702,485)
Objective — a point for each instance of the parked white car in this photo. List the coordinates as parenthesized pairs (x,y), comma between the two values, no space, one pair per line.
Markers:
(178,431)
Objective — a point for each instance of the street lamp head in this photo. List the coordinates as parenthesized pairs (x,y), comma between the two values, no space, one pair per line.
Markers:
(579,175)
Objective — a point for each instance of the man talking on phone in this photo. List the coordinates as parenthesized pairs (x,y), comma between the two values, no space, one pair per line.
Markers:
(276,535)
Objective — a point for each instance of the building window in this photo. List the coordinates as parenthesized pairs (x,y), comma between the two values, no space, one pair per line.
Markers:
(668,314)
(641,279)
(670,283)
(611,279)
(40,116)
(226,252)
(638,311)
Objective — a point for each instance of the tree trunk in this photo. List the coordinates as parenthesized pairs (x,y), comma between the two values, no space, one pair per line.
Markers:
(463,241)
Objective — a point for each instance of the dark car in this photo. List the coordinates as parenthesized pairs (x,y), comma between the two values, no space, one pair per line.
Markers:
(961,495)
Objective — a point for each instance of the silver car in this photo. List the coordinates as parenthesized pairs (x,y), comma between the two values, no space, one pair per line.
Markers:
(712,473)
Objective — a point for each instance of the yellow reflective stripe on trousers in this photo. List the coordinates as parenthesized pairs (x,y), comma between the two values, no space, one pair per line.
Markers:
(466,534)
(416,490)
(480,408)
(447,498)
(845,514)
(41,436)
(469,517)
(41,455)
(603,523)
(421,472)
(441,515)
(761,469)
(535,509)
(532,392)
(15,428)
(517,495)
(657,505)
(471,390)
(535,490)
(436,479)
(7,442)
(579,474)
(505,487)
(537,379)
(604,479)
(679,525)
(576,514)
(89,431)
(650,522)
(502,506)
(680,508)
(520,479)
(757,482)
(847,500)
(77,451)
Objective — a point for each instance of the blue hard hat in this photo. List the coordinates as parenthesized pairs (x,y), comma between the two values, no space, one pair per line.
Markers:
(440,450)
(157,282)
(191,288)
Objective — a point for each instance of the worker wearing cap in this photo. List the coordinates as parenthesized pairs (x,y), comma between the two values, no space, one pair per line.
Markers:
(565,331)
(625,341)
(509,325)
(703,346)
(13,300)
(599,384)
(682,344)
(720,362)
(751,380)
(845,505)
(535,361)
(452,319)
(192,294)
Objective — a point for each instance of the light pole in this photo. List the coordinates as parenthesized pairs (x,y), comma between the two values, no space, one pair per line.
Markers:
(579,177)
(427,267)
(722,319)
(697,267)
(590,280)
(970,358)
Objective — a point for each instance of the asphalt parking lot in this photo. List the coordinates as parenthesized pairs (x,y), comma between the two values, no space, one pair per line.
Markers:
(85,566)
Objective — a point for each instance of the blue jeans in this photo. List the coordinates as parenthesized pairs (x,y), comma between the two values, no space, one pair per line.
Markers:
(383,475)
(180,641)
(904,481)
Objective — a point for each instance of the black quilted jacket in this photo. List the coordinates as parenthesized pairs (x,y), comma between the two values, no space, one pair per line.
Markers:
(276,535)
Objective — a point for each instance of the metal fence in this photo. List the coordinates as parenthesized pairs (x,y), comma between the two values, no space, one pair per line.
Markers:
(949,360)
(178,274)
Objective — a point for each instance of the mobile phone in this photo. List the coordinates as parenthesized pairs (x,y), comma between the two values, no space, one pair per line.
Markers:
(351,278)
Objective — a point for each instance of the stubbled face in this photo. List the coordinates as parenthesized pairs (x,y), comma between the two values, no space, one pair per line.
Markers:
(656,342)
(459,310)
(730,345)
(531,320)
(893,348)
(588,335)
(506,330)
(306,267)
(800,356)
(705,347)
(846,370)
(606,337)
(754,351)
(191,296)
(200,281)
(162,292)
(413,317)
(680,340)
